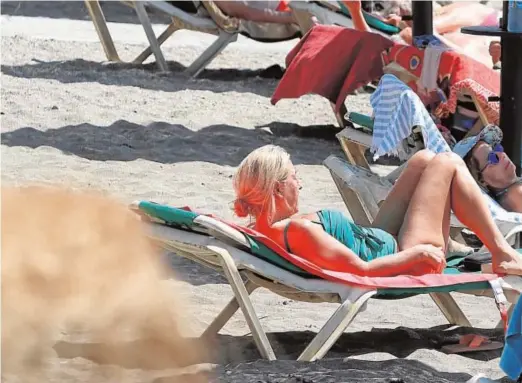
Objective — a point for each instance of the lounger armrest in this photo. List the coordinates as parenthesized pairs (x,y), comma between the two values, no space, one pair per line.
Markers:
(222,231)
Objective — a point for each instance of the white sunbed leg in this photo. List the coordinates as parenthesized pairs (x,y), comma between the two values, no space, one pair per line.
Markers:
(228,311)
(96,13)
(450,309)
(210,53)
(335,326)
(242,296)
(147,27)
(161,39)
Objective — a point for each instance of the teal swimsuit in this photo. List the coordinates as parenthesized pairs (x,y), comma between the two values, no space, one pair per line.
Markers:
(367,243)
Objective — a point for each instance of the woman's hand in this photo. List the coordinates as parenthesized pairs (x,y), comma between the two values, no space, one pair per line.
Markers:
(432,256)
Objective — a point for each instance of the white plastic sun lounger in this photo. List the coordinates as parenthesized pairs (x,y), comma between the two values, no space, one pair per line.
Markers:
(180,20)
(216,245)
(209,19)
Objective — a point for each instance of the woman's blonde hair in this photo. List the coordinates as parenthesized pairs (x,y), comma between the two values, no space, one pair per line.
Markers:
(256,179)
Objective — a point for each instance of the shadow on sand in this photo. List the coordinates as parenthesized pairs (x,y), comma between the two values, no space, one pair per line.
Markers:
(167,143)
(147,76)
(400,343)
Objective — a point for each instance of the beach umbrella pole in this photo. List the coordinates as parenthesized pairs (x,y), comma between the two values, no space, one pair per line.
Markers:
(422,12)
(511,91)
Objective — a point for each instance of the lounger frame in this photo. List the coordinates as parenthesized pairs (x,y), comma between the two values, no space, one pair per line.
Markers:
(180,20)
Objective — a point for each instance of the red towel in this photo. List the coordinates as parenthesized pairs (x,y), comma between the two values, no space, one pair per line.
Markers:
(332,62)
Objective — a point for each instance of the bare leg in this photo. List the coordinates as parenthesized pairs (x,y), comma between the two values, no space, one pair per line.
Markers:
(393,209)
(446,183)
(460,14)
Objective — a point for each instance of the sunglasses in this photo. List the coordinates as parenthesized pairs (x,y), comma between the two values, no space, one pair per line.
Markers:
(493,158)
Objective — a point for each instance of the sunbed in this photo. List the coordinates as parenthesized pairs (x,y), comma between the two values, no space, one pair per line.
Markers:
(208,18)
(249,260)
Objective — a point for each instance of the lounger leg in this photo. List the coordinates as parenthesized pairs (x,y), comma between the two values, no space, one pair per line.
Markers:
(153,42)
(241,294)
(450,309)
(161,39)
(339,116)
(96,13)
(334,327)
(210,53)
(500,323)
(228,311)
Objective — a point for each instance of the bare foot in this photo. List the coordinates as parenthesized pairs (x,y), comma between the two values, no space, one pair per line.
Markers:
(509,262)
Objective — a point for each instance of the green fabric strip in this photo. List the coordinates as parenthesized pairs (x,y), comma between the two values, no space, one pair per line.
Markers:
(170,215)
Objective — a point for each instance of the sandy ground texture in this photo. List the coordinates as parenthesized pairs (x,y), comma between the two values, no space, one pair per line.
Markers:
(133,133)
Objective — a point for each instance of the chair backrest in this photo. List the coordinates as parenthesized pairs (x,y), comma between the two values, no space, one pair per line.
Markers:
(228,233)
(361,189)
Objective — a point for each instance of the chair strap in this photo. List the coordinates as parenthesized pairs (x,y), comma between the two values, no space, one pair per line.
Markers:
(500,300)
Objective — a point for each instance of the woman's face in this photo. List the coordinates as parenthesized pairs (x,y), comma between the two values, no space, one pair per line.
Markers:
(497,175)
(288,193)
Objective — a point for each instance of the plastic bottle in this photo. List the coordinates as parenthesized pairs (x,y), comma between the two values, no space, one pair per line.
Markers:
(515,16)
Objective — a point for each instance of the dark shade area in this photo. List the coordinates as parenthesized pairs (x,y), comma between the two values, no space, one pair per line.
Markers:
(158,142)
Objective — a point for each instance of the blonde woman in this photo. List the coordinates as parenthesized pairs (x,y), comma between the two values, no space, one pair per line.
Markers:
(409,234)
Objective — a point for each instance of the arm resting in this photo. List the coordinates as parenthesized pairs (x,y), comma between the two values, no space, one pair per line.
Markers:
(311,242)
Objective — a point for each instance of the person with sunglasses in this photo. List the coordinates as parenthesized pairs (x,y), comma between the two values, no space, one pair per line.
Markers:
(492,168)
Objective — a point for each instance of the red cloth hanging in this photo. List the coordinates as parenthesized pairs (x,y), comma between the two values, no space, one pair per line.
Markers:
(332,61)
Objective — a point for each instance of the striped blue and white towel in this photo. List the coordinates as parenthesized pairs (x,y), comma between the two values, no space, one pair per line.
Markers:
(397,109)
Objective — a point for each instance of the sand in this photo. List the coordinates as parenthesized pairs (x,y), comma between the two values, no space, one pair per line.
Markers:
(134,133)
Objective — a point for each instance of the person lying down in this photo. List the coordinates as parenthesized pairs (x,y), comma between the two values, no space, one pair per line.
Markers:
(259,11)
(447,22)
(409,236)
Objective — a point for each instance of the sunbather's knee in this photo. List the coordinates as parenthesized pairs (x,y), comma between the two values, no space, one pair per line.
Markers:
(450,160)
(421,159)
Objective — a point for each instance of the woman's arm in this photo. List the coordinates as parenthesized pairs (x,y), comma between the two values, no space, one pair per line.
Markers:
(308,240)
(355,8)
(240,9)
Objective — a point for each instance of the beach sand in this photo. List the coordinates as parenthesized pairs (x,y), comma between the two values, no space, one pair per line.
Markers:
(134,133)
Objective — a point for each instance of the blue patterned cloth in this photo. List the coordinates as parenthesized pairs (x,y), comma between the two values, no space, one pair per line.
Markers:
(397,109)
